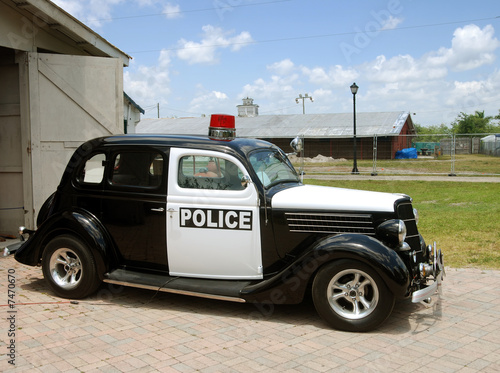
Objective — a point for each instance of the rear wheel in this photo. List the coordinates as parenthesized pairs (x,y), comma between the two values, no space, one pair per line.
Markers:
(350,295)
(69,268)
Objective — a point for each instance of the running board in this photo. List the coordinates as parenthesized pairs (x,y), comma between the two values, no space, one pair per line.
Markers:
(227,290)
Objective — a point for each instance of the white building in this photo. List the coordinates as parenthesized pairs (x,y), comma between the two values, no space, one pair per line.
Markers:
(131,114)
(490,145)
(248,109)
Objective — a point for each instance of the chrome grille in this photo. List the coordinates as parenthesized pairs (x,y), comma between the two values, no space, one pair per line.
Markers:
(330,223)
(405,213)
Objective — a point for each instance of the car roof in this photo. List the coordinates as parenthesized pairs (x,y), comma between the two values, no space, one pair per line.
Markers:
(237,145)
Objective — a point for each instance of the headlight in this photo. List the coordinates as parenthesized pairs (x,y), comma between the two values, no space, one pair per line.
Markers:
(393,232)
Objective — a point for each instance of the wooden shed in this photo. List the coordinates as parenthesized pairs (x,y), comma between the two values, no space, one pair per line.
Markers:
(62,84)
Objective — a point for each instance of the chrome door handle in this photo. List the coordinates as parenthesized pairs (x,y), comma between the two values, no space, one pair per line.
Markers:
(158,209)
(171,212)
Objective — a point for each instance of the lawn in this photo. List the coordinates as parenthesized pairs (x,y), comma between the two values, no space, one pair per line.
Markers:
(463,218)
(464,165)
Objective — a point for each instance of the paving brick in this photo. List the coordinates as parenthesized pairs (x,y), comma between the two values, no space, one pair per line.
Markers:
(128,330)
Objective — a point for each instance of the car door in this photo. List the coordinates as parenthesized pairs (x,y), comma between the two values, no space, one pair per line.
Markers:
(134,205)
(213,228)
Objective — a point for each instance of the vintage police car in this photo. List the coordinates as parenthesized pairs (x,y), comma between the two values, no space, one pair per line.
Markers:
(228,218)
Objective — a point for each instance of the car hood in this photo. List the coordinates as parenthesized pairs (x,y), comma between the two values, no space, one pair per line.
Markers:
(313,197)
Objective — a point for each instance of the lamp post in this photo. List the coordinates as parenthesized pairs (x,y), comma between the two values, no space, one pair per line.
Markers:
(303,103)
(354,90)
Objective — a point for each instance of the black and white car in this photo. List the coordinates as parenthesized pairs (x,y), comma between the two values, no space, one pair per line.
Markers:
(227,218)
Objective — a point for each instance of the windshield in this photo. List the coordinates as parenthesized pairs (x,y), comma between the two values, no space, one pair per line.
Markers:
(272,167)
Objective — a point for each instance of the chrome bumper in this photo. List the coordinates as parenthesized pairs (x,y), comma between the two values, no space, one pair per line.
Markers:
(435,269)
(11,249)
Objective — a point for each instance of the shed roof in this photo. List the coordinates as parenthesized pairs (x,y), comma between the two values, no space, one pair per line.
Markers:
(133,103)
(65,25)
(288,126)
(491,138)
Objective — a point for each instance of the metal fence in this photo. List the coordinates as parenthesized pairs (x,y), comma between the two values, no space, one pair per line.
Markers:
(461,155)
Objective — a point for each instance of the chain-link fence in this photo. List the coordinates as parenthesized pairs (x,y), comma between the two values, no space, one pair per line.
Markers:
(460,154)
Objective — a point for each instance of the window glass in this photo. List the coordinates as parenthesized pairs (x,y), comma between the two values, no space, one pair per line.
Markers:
(93,171)
(137,169)
(203,172)
(272,167)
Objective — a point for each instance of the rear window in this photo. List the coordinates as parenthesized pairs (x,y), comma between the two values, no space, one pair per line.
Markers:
(93,170)
(137,169)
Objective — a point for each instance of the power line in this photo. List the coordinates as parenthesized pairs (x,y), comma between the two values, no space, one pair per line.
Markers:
(155,106)
(313,36)
(221,7)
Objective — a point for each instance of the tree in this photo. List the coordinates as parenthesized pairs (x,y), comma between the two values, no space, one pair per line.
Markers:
(472,123)
(432,133)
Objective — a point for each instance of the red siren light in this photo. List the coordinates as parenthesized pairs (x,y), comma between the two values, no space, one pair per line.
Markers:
(222,127)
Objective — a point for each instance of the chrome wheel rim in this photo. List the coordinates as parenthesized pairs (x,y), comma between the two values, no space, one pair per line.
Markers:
(65,268)
(352,294)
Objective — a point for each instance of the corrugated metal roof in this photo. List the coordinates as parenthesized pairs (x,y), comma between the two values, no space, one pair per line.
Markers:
(288,126)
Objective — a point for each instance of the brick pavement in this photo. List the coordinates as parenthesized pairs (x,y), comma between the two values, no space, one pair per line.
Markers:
(131,330)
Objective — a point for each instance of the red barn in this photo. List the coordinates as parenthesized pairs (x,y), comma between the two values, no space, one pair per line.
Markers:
(326,134)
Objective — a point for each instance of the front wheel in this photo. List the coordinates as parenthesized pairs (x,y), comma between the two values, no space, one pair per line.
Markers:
(351,296)
(69,268)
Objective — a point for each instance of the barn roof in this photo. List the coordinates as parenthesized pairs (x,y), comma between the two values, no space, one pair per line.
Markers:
(288,126)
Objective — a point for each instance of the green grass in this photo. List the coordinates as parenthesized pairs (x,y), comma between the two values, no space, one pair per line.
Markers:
(477,164)
(463,218)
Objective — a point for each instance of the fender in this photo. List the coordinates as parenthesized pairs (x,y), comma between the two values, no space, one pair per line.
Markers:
(289,286)
(79,222)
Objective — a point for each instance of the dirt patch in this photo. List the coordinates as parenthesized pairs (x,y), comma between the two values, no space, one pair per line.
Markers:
(318,159)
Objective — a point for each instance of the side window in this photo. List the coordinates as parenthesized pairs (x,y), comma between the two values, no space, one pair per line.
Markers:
(137,169)
(202,172)
(93,170)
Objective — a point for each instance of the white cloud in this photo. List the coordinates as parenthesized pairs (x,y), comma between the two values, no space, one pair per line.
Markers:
(471,48)
(91,12)
(407,82)
(283,67)
(214,38)
(390,83)
(146,2)
(336,76)
(73,7)
(276,86)
(402,68)
(391,23)
(473,95)
(172,11)
(277,93)
(96,12)
(208,102)
(148,85)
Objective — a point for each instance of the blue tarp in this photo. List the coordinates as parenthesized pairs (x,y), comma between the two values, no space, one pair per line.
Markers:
(409,153)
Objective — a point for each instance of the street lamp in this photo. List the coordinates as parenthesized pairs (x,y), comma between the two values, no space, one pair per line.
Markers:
(303,98)
(354,90)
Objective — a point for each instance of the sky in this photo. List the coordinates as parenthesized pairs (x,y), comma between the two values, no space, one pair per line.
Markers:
(434,59)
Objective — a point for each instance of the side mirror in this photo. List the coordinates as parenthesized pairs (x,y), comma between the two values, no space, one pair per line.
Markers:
(296,144)
(245,180)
